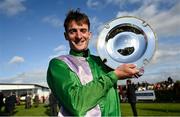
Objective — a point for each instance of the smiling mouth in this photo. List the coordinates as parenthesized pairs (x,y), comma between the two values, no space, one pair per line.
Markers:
(79,42)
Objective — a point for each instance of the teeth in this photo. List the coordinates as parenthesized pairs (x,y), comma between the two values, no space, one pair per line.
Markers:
(80,42)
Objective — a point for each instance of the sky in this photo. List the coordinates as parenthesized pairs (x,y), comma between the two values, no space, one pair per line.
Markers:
(32,33)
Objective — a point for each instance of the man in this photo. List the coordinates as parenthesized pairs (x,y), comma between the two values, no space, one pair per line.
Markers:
(82,84)
(53,105)
(131,96)
(28,101)
(1,100)
(36,100)
(10,102)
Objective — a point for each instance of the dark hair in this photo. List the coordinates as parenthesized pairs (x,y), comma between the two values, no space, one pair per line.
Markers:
(77,16)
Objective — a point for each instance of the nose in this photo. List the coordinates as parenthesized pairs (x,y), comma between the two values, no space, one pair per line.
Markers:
(78,35)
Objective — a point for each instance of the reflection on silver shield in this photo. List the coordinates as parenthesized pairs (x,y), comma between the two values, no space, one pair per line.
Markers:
(126,40)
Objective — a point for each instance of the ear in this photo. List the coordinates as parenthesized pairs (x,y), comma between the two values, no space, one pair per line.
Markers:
(65,35)
(90,34)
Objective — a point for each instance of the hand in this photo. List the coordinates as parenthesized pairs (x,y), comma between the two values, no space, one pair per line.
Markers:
(127,71)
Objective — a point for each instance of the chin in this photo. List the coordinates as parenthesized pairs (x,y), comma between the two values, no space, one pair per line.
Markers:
(80,50)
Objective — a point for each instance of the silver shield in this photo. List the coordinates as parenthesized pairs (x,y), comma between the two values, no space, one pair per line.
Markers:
(126,40)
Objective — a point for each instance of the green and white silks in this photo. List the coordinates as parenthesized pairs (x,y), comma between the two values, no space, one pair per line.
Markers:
(83,85)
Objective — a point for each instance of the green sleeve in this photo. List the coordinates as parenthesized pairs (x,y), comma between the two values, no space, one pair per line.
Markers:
(74,96)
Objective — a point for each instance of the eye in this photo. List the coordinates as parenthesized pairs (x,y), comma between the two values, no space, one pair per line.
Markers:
(71,31)
(83,30)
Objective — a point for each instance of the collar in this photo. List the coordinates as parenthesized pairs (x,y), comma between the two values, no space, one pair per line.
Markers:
(85,53)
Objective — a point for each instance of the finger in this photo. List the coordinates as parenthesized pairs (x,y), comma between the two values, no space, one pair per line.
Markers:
(133,71)
(131,65)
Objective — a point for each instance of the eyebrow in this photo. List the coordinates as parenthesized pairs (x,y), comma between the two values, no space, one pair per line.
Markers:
(73,29)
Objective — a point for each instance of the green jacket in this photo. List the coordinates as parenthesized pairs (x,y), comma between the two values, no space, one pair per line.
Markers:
(78,98)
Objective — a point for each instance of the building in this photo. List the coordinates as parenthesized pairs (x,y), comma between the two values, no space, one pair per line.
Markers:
(21,90)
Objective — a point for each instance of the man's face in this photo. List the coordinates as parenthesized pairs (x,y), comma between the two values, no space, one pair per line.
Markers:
(78,36)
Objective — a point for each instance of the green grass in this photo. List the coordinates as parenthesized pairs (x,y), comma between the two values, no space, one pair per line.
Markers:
(152,109)
(143,109)
(41,110)
(20,110)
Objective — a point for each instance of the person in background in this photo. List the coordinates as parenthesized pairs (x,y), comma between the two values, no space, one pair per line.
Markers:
(28,101)
(80,81)
(53,104)
(131,95)
(36,100)
(1,100)
(43,99)
(10,102)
